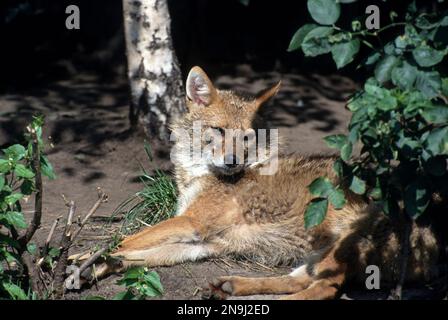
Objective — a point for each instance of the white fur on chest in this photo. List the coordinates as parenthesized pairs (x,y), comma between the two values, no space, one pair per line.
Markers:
(187,197)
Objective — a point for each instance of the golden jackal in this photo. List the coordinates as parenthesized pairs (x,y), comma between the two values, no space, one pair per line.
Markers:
(231,208)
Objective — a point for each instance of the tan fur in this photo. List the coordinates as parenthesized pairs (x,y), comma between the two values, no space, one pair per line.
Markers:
(262,217)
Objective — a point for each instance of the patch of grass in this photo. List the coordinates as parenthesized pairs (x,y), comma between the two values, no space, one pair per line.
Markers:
(156,202)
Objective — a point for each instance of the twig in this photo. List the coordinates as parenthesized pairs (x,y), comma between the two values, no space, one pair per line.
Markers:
(49,237)
(92,259)
(64,244)
(35,222)
(71,212)
(102,197)
(50,234)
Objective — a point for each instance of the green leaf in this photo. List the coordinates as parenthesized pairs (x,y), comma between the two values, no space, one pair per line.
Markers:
(416,198)
(437,142)
(435,114)
(404,76)
(383,69)
(444,21)
(27,187)
(154,286)
(31,248)
(422,22)
(379,98)
(343,53)
(21,171)
(411,36)
(299,36)
(316,42)
(47,168)
(10,242)
(315,212)
(54,252)
(325,12)
(338,167)
(414,101)
(426,56)
(15,219)
(346,151)
(429,83)
(5,166)
(409,147)
(337,199)
(133,273)
(373,58)
(13,198)
(321,187)
(358,185)
(15,291)
(445,87)
(376,193)
(2,181)
(336,141)
(16,152)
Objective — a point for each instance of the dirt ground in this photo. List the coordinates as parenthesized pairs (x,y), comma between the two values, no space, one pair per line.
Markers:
(87,122)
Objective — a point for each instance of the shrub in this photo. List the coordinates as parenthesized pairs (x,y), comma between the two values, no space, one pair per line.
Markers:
(20,179)
(399,117)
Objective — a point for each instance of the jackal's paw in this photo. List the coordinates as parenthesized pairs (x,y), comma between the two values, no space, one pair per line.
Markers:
(219,289)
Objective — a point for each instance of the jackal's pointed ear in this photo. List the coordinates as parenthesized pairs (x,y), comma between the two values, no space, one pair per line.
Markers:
(200,89)
(267,94)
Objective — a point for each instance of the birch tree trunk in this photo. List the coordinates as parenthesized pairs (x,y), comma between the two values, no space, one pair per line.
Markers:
(154,74)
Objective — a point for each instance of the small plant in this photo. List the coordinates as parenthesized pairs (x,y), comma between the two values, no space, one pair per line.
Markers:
(154,203)
(20,177)
(140,284)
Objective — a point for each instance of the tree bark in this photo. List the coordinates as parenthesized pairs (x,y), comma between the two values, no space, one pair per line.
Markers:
(154,75)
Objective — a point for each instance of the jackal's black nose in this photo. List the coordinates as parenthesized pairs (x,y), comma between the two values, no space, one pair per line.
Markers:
(231,161)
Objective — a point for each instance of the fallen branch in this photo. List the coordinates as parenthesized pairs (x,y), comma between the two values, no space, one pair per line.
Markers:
(86,264)
(67,240)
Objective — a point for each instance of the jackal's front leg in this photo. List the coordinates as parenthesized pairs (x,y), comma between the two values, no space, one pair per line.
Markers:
(170,242)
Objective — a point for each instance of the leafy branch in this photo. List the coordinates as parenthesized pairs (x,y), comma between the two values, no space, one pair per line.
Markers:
(399,118)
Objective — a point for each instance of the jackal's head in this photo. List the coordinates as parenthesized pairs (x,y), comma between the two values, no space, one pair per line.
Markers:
(222,133)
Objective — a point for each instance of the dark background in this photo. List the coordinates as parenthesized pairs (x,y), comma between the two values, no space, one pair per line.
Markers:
(37,47)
